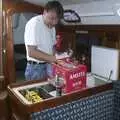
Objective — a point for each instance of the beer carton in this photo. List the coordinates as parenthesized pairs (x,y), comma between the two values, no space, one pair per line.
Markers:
(73,75)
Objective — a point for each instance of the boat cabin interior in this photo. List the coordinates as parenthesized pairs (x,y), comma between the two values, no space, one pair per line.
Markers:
(85,23)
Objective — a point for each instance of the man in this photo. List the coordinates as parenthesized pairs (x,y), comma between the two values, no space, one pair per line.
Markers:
(40,38)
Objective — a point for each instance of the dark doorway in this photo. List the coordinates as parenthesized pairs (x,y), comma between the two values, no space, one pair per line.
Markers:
(84,41)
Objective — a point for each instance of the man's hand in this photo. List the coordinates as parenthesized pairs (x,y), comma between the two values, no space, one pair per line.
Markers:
(52,59)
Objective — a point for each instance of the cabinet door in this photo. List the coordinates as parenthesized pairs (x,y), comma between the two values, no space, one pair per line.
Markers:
(111,39)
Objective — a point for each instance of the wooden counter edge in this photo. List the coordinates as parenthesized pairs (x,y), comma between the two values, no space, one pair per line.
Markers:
(56,101)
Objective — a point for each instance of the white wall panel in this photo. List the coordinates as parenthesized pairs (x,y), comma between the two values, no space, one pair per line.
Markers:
(97,12)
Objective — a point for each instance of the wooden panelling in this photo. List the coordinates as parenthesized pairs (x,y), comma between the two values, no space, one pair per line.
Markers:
(4,104)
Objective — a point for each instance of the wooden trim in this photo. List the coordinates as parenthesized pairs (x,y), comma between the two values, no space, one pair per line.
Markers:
(2,80)
(69,98)
(1,69)
(103,28)
(10,7)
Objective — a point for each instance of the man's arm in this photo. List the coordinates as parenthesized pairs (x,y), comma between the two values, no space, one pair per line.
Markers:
(37,54)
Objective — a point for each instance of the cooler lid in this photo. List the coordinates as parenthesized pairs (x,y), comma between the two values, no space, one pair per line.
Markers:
(105,62)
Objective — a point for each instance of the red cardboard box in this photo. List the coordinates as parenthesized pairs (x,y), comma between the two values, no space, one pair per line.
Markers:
(74,76)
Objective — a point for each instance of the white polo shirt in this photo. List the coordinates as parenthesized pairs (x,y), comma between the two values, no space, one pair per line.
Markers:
(39,35)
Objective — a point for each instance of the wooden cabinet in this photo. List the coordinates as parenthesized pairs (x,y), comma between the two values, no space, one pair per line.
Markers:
(111,39)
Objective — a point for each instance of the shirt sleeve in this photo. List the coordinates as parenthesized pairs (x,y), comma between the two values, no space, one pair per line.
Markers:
(30,33)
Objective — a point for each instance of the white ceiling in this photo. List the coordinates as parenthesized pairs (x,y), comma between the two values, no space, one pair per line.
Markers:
(69,2)
(64,2)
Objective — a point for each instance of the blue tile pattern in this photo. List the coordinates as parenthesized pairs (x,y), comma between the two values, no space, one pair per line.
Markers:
(96,107)
(117,100)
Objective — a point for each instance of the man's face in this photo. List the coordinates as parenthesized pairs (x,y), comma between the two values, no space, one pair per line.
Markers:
(51,18)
